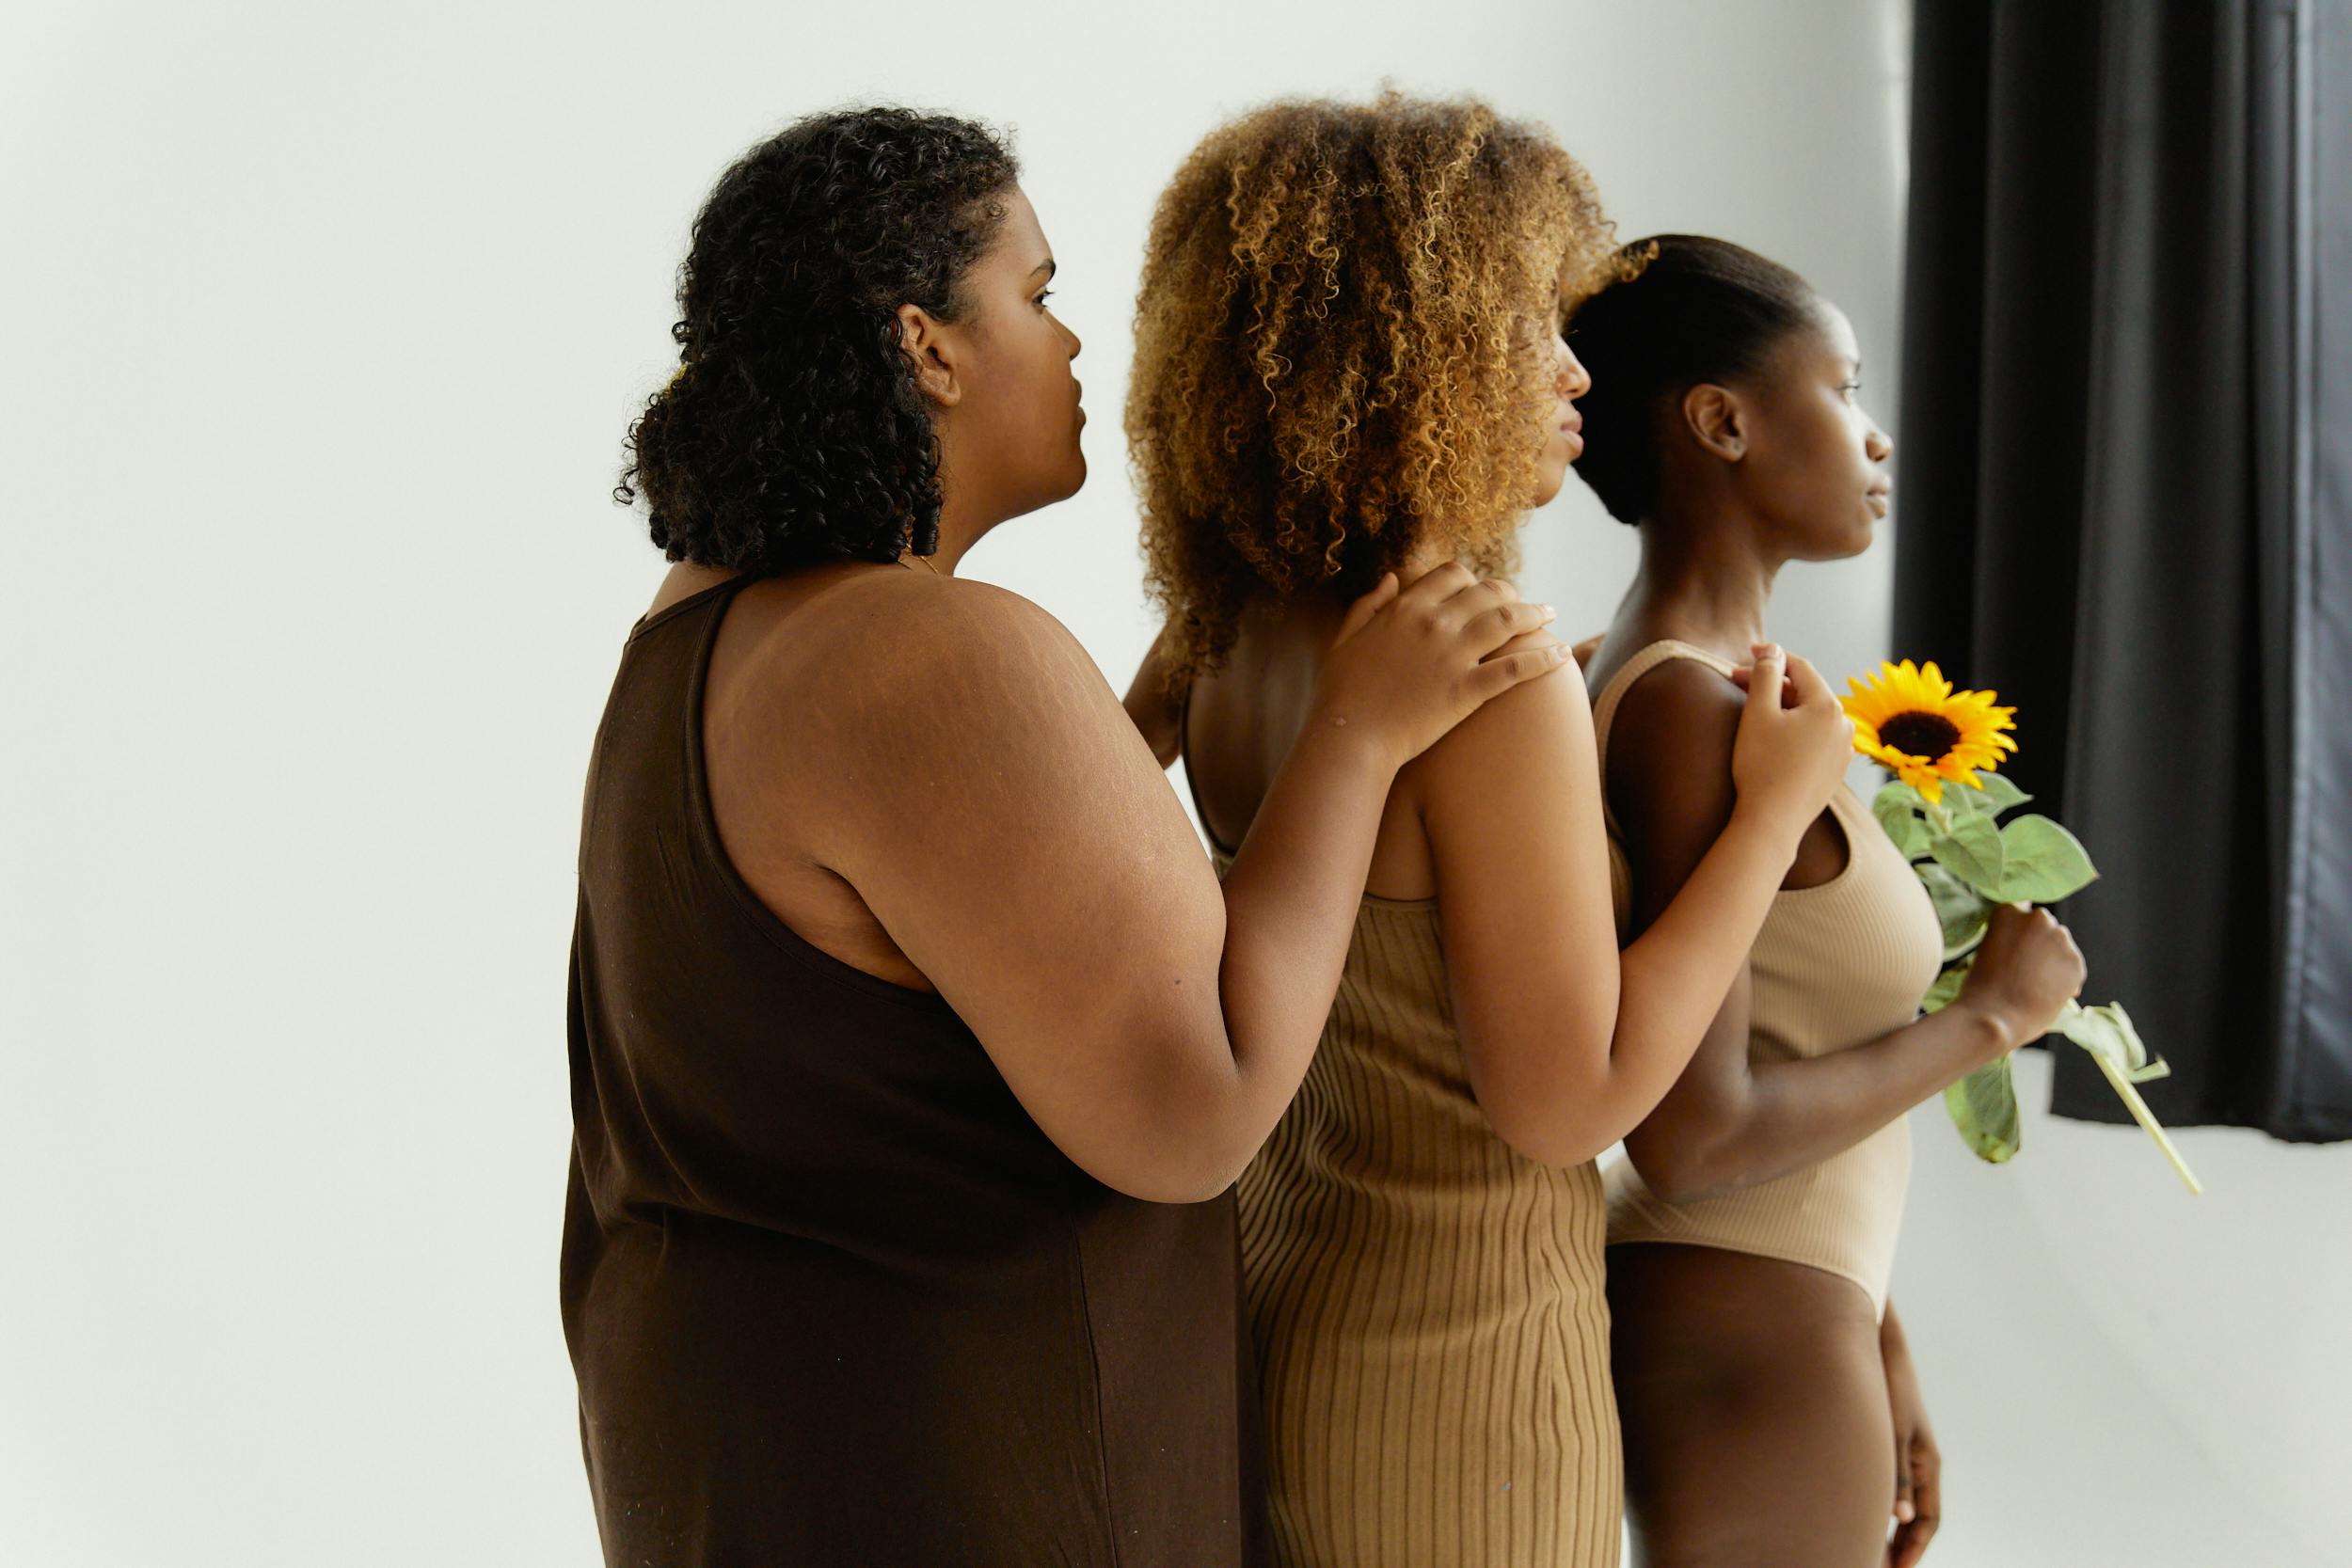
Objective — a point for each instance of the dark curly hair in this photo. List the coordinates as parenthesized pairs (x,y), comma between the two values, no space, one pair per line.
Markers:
(793,431)
(1686,310)
(1341,349)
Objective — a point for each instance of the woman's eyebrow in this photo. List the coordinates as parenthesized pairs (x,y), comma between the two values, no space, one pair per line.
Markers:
(1045,266)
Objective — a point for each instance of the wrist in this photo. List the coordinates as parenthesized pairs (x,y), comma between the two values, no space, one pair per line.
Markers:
(1351,741)
(1772,827)
(1996,1030)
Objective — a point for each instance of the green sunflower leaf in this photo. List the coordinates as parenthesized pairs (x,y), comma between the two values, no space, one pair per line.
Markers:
(1974,850)
(1960,908)
(2042,862)
(1946,987)
(2107,1031)
(1998,795)
(1897,807)
(1984,1106)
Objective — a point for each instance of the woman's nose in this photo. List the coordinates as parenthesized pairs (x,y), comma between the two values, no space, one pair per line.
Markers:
(1575,380)
(1880,445)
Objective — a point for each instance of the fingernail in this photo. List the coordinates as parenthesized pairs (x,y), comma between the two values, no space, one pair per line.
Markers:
(1549,611)
(1905,1512)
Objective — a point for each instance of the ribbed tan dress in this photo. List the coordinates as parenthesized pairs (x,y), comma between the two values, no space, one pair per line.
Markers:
(1427,1305)
(1835,966)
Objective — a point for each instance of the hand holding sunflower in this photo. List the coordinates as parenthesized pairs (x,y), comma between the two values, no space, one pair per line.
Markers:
(1911,721)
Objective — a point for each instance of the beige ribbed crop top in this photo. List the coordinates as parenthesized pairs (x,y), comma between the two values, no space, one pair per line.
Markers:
(1835,966)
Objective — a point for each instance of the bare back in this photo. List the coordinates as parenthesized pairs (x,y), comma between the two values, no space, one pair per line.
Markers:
(784,648)
(1241,721)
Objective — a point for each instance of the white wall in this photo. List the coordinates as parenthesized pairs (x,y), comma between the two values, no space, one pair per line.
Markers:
(317,335)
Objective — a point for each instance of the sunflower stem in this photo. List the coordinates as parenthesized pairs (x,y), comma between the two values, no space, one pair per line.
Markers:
(2146,1118)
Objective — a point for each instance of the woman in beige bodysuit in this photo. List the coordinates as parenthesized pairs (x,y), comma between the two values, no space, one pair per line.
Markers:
(1770,1413)
(1349,361)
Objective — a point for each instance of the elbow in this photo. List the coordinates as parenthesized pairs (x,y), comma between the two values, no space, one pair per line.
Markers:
(1677,1170)
(1546,1140)
(1171,1181)
(1191,1163)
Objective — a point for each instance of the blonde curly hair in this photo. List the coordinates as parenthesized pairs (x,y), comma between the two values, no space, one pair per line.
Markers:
(1343,350)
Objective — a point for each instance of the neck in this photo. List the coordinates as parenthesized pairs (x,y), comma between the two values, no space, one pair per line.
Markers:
(959,529)
(1701,585)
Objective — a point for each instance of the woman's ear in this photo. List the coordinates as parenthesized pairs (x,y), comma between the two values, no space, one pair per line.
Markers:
(1716,420)
(924,340)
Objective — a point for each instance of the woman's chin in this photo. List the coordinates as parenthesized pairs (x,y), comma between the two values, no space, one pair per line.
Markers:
(1552,476)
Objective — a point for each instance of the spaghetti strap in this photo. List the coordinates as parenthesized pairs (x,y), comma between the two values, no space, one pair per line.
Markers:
(1665,650)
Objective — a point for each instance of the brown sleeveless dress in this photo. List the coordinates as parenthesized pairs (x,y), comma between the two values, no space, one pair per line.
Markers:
(831,1296)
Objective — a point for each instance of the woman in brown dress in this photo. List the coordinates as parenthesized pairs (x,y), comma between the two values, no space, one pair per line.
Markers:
(1770,1412)
(914,1044)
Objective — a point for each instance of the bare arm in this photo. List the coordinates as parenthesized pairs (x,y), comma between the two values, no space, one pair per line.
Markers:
(1569,1041)
(1730,1121)
(1918,1506)
(1020,846)
(1154,710)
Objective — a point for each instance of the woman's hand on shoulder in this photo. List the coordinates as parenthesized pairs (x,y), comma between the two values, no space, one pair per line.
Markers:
(1795,741)
(1411,661)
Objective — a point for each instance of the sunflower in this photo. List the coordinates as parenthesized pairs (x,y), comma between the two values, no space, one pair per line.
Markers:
(1912,721)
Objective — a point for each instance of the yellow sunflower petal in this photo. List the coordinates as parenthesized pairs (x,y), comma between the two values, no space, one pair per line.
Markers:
(1965,729)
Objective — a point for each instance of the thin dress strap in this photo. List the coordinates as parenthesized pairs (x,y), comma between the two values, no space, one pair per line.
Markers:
(1605,705)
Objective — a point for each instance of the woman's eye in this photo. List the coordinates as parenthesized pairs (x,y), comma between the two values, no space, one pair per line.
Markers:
(1852,389)
(1044,296)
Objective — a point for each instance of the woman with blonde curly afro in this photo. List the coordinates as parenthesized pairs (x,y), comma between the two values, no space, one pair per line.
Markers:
(1349,362)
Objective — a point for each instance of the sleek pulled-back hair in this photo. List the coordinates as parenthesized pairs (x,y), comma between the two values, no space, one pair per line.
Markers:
(794,431)
(1687,309)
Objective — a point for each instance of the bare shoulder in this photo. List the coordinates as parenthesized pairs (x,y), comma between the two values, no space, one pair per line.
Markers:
(1539,724)
(1670,783)
(1678,719)
(912,657)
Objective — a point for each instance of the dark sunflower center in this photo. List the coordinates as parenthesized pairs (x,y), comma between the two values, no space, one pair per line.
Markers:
(1920,734)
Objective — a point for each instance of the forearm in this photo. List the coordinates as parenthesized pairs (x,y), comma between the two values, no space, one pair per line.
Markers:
(1788,1115)
(1290,900)
(1154,710)
(1674,977)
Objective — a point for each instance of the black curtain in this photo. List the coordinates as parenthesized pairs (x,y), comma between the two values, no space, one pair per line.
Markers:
(2126,500)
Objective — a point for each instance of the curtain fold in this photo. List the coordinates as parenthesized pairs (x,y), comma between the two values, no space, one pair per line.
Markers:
(2124,502)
